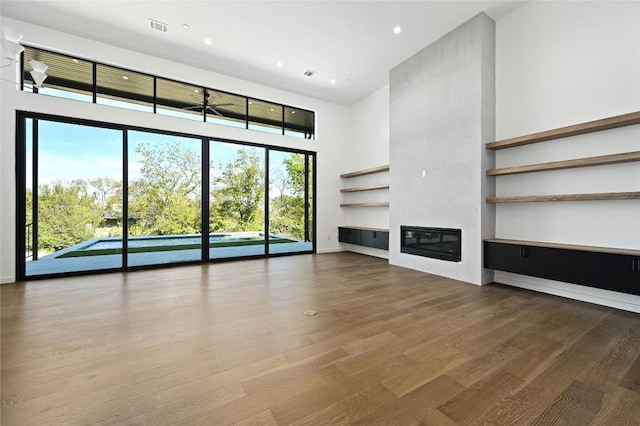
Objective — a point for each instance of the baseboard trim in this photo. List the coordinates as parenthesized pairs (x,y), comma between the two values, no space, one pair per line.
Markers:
(369,251)
(7,280)
(612,299)
(330,250)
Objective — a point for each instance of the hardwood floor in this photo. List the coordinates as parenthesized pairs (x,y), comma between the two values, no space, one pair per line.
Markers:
(229,344)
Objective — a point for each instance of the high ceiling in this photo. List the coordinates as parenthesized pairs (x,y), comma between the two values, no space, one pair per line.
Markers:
(349,42)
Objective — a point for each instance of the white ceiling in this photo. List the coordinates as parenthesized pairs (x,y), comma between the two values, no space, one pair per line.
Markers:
(349,41)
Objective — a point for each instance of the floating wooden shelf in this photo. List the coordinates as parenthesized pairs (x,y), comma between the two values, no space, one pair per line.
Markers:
(613,250)
(378,169)
(563,132)
(568,164)
(366,188)
(365,228)
(567,197)
(381,204)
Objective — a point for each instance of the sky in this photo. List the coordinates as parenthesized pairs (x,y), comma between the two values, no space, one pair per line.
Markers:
(71,151)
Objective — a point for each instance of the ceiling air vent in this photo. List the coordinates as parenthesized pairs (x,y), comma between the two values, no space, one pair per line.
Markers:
(309,73)
(158,26)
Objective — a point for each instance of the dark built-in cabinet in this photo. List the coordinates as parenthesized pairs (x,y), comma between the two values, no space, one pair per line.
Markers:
(368,237)
(609,269)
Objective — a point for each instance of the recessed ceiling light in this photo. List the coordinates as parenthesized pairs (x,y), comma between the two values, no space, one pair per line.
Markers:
(279,64)
(207,41)
(196,90)
(333,81)
(250,103)
(271,109)
(293,112)
(75,60)
(185,26)
(397,29)
(124,77)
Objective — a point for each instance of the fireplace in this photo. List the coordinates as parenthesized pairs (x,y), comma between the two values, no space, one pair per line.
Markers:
(437,243)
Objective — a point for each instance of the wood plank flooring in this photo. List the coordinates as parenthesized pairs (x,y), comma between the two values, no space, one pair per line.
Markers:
(229,344)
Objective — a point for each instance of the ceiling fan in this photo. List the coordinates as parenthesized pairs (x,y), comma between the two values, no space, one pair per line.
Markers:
(209,106)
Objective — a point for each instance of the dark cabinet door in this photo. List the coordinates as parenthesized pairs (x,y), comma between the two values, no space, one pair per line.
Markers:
(503,257)
(549,263)
(366,238)
(375,239)
(608,271)
(381,240)
(349,235)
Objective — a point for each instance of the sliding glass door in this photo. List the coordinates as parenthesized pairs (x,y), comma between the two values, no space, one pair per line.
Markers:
(236,200)
(73,198)
(289,228)
(106,197)
(164,199)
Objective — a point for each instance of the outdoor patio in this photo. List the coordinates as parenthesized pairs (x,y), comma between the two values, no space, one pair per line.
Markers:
(54,264)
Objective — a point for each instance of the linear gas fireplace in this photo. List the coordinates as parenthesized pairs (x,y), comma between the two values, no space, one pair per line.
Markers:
(438,243)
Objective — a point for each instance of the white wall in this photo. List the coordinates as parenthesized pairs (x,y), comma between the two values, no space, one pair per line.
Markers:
(557,64)
(367,147)
(369,131)
(331,125)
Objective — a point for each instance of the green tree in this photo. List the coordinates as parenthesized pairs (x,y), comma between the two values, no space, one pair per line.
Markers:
(238,194)
(287,207)
(67,214)
(108,193)
(294,165)
(166,199)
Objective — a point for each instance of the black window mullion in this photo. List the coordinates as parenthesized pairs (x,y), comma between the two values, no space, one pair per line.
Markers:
(204,104)
(21,197)
(125,198)
(22,70)
(155,94)
(266,201)
(246,116)
(306,197)
(34,184)
(95,83)
(204,199)
(314,179)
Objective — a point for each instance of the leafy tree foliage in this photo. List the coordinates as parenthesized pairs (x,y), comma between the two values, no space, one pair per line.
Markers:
(166,199)
(287,208)
(108,193)
(67,214)
(237,202)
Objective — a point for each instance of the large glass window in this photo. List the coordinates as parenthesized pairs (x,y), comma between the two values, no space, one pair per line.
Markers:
(298,123)
(288,209)
(226,109)
(73,198)
(179,99)
(265,116)
(73,78)
(124,88)
(165,188)
(237,197)
(68,77)
(96,197)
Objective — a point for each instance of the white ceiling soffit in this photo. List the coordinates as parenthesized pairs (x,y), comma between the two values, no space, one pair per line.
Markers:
(350,45)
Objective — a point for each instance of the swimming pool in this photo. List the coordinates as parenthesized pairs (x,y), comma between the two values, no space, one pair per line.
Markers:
(110,246)
(173,240)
